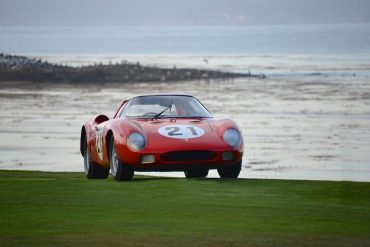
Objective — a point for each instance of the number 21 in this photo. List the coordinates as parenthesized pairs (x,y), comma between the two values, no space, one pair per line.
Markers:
(175,131)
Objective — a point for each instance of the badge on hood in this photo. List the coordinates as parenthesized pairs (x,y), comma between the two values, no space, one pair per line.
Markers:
(181,131)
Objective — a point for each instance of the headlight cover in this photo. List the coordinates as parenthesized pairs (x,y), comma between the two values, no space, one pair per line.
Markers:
(232,137)
(136,141)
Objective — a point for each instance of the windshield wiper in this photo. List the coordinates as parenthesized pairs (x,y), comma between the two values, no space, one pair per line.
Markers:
(163,111)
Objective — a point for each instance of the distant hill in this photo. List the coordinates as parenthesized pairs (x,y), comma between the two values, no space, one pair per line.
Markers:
(21,68)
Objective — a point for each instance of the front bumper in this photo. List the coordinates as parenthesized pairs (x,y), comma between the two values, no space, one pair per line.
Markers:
(182,160)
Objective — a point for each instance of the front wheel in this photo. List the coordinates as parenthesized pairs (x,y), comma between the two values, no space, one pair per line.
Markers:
(230,171)
(119,170)
(93,170)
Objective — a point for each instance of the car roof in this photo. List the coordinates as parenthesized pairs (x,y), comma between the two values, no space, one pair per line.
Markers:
(161,94)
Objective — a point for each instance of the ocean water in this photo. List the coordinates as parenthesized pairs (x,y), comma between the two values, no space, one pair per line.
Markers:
(280,50)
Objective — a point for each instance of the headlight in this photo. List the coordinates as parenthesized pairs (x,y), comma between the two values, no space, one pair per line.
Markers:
(232,137)
(136,141)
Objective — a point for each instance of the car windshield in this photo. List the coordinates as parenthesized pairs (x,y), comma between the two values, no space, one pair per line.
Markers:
(160,106)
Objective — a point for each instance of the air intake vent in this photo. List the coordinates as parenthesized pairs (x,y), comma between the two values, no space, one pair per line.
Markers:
(188,156)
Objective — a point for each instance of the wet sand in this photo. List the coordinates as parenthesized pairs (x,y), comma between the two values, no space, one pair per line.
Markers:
(307,128)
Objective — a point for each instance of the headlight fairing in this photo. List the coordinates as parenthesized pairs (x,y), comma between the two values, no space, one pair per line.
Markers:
(232,137)
(136,141)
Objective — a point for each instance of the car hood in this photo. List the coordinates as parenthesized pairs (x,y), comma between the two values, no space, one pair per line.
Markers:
(181,134)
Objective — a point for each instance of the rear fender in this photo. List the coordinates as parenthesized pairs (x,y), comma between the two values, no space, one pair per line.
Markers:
(88,134)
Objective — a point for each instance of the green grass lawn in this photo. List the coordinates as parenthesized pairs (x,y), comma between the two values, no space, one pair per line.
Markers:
(61,209)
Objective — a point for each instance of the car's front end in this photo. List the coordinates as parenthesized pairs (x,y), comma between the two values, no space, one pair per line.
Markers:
(172,144)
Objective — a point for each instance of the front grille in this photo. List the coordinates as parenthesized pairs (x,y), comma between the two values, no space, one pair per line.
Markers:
(187,156)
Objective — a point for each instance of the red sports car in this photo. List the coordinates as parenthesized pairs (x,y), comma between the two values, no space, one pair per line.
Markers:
(161,133)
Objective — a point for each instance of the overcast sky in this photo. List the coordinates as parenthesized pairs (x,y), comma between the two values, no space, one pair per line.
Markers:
(181,12)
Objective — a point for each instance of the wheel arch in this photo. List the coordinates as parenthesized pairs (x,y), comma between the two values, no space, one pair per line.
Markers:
(108,139)
(83,138)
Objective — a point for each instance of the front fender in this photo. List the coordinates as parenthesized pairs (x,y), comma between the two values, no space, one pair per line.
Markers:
(221,125)
(121,129)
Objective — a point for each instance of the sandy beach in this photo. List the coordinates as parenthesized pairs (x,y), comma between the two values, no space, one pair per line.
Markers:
(308,128)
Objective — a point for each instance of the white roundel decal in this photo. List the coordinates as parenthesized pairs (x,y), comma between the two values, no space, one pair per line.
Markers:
(181,131)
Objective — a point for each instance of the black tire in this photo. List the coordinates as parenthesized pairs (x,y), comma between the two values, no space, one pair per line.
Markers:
(196,173)
(119,170)
(230,171)
(92,169)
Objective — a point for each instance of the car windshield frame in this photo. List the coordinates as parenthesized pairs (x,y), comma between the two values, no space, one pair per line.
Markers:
(173,101)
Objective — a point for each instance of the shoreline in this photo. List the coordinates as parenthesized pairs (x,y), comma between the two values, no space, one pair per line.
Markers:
(21,68)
